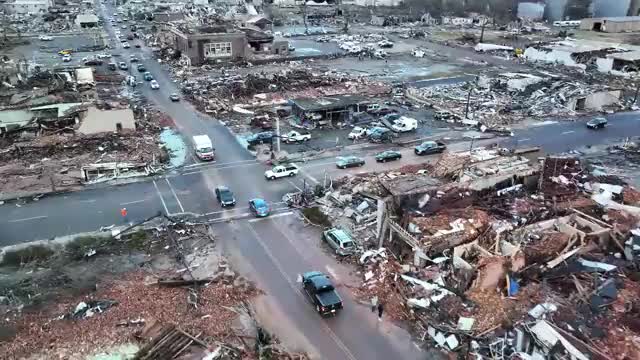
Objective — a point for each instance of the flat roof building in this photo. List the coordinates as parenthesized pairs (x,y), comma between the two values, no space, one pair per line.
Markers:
(612,24)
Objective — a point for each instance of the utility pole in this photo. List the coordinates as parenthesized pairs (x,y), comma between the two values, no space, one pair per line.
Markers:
(484,23)
(466,110)
(635,98)
(278,134)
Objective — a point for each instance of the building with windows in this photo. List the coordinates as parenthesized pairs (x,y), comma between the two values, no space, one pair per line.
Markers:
(210,45)
(28,6)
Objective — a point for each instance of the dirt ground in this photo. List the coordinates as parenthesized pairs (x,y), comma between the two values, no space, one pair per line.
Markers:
(42,292)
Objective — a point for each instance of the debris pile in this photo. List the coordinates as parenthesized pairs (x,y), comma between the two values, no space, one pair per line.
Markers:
(534,264)
(511,97)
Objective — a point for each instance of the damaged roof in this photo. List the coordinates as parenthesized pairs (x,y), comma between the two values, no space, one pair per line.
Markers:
(411,184)
(15,117)
(328,103)
(626,56)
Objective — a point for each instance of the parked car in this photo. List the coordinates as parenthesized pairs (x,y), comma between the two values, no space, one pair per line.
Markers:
(388,155)
(112,66)
(130,37)
(380,134)
(281,171)
(429,147)
(133,58)
(295,136)
(93,62)
(66,58)
(597,123)
(260,138)
(123,65)
(383,110)
(174,97)
(147,76)
(141,68)
(126,45)
(349,161)
(340,241)
(225,196)
(385,44)
(45,38)
(291,48)
(379,54)
(321,292)
(259,207)
(357,133)
(137,45)
(155,85)
(103,56)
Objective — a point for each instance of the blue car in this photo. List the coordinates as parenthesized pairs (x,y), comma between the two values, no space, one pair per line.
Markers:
(259,207)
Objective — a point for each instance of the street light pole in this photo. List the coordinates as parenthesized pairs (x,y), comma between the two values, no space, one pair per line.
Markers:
(466,110)
(635,98)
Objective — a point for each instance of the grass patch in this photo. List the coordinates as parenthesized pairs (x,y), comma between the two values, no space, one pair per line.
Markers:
(33,253)
(317,217)
(137,240)
(79,247)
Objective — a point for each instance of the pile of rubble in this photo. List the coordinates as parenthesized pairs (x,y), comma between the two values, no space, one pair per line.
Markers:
(492,101)
(546,262)
(219,94)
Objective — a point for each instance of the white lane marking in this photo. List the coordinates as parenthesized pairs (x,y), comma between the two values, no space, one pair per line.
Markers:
(568,132)
(243,208)
(272,216)
(87,201)
(523,140)
(220,164)
(133,202)
(27,219)
(203,169)
(307,175)
(294,185)
(174,194)
(296,289)
(332,273)
(166,211)
(320,164)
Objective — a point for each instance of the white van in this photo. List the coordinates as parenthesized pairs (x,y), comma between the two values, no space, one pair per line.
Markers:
(203,147)
(404,124)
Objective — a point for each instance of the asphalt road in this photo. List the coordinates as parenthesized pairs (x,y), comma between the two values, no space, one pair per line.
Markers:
(272,251)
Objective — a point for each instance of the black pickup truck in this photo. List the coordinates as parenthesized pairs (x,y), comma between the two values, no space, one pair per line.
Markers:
(322,293)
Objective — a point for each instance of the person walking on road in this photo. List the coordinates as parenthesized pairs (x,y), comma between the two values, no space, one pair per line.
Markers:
(380,311)
(124,212)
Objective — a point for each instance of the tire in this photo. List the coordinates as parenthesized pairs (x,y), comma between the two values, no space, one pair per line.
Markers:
(383,160)
(291,174)
(272,178)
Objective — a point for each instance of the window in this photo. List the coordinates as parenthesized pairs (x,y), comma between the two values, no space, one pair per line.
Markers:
(215,50)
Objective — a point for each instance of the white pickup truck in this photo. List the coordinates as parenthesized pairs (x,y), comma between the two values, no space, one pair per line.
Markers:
(295,136)
(281,171)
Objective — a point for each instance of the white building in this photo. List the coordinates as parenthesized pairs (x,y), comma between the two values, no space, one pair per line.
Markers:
(454,20)
(28,6)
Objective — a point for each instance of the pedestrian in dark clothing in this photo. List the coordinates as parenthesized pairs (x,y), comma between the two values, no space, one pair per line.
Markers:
(380,311)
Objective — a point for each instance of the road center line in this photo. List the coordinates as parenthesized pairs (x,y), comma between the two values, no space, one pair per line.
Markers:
(27,219)
(133,202)
(271,216)
(523,140)
(174,194)
(166,211)
(296,289)
(87,201)
(568,132)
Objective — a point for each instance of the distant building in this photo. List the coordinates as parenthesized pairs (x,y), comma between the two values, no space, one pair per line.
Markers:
(87,20)
(202,47)
(168,16)
(95,121)
(612,24)
(260,22)
(634,8)
(533,10)
(454,20)
(28,6)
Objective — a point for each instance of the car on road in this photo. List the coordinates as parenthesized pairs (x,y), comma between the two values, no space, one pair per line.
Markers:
(112,66)
(130,37)
(340,241)
(154,85)
(295,136)
(429,147)
(349,161)
(65,52)
(147,76)
(597,123)
(137,45)
(321,292)
(93,62)
(385,44)
(259,207)
(141,68)
(133,58)
(103,56)
(45,38)
(174,97)
(126,45)
(281,171)
(225,196)
(291,48)
(123,65)
(66,58)
(357,133)
(388,155)
(260,138)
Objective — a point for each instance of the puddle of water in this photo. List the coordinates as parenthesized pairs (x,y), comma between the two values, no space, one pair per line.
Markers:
(175,145)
